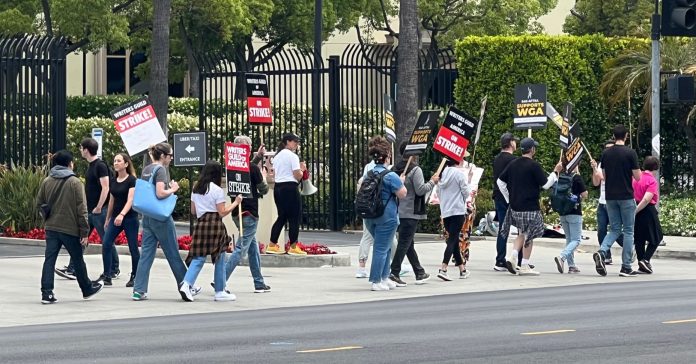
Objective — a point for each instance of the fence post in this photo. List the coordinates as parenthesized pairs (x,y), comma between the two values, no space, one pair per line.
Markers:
(60,124)
(335,199)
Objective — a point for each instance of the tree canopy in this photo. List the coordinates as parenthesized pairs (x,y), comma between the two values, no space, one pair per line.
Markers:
(610,18)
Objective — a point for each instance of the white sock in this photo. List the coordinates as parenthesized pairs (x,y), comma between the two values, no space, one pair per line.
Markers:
(525,261)
(515,253)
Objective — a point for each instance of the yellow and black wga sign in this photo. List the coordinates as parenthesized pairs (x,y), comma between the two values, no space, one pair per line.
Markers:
(420,137)
(572,155)
(389,122)
(530,106)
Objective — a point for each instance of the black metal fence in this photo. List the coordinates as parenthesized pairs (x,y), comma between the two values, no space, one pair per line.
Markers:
(351,101)
(32,98)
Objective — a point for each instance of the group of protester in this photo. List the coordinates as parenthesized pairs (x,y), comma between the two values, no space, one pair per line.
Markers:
(105,202)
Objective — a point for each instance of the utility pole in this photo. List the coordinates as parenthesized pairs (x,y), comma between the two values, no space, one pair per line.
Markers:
(318,64)
(655,84)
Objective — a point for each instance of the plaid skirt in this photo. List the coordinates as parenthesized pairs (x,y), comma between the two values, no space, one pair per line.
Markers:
(209,237)
(529,223)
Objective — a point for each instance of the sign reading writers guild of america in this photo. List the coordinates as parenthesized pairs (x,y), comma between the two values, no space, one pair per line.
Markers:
(137,125)
(530,106)
(190,149)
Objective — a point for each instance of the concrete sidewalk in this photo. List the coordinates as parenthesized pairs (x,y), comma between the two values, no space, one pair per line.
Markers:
(291,287)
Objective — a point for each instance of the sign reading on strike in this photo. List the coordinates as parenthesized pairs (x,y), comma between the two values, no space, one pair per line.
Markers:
(530,106)
(237,166)
(258,99)
(389,122)
(418,142)
(455,134)
(138,126)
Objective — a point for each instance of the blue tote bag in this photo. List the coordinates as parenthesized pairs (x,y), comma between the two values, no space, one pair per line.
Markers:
(145,199)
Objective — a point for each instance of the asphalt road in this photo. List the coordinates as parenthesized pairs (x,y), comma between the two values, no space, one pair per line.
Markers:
(633,322)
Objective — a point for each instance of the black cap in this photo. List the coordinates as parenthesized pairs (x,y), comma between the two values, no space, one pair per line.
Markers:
(507,139)
(527,144)
(291,137)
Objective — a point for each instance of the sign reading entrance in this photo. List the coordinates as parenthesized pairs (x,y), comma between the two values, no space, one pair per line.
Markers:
(418,142)
(258,99)
(530,106)
(138,126)
(237,166)
(455,134)
(190,149)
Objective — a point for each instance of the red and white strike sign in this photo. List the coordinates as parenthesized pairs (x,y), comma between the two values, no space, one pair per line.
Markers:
(138,126)
(258,100)
(454,135)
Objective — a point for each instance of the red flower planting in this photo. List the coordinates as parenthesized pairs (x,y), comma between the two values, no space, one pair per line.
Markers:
(37,234)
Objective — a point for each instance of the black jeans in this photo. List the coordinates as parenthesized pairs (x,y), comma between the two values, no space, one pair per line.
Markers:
(501,243)
(453,226)
(54,240)
(289,205)
(96,221)
(405,248)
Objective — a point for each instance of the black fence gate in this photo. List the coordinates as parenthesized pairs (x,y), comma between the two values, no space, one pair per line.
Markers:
(32,98)
(334,145)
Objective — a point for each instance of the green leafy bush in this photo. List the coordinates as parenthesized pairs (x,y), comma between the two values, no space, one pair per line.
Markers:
(678,216)
(19,186)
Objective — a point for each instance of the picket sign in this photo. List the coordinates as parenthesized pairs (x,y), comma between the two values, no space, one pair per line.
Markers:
(408,163)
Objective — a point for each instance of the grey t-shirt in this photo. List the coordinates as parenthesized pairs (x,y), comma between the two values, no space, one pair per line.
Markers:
(161,176)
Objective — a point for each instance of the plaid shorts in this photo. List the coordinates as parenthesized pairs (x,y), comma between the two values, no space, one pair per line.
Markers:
(529,223)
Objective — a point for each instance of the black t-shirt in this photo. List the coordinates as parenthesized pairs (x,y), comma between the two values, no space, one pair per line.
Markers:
(252,204)
(120,192)
(577,188)
(618,163)
(96,170)
(524,177)
(500,162)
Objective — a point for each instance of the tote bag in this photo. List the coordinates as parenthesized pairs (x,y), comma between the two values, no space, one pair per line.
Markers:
(145,199)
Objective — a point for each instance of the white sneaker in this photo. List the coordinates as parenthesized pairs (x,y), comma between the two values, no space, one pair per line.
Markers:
(224,296)
(379,287)
(185,291)
(526,270)
(464,274)
(405,269)
(361,273)
(389,283)
(195,290)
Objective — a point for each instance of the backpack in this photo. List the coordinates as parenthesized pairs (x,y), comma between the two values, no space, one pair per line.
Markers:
(562,199)
(368,200)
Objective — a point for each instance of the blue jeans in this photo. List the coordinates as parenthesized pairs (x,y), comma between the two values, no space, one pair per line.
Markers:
(602,224)
(383,231)
(130,225)
(572,226)
(164,232)
(196,266)
(97,221)
(622,217)
(246,245)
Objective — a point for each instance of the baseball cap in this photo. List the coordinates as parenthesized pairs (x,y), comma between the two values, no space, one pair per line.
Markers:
(291,137)
(527,144)
(506,139)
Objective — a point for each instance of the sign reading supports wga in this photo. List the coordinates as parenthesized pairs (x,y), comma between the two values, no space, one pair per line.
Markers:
(418,142)
(389,122)
(190,149)
(530,106)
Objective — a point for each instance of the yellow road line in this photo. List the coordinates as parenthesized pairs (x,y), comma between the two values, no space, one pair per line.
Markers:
(330,349)
(547,332)
(679,321)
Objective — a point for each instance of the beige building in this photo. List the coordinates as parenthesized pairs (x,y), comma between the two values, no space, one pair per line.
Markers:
(105,72)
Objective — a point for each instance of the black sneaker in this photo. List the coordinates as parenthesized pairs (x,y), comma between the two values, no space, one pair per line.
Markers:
(96,288)
(48,298)
(131,281)
(107,282)
(115,274)
(599,264)
(261,289)
(397,280)
(644,266)
(65,273)
(627,272)
(421,278)
(608,261)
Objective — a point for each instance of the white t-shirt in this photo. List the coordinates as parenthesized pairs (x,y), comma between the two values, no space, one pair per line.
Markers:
(284,163)
(208,202)
(602,189)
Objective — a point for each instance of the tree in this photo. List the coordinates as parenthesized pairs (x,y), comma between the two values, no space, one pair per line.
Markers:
(629,74)
(610,18)
(407,70)
(159,58)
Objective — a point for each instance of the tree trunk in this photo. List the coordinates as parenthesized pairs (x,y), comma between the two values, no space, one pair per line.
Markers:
(407,71)
(194,73)
(159,61)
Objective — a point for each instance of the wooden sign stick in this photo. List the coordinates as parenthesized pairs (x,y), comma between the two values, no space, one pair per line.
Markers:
(408,162)
(442,165)
(241,225)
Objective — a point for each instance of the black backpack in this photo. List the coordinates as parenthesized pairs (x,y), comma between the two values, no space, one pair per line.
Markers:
(368,201)
(562,199)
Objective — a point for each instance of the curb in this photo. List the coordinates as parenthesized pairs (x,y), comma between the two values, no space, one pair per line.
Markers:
(267,260)
(616,250)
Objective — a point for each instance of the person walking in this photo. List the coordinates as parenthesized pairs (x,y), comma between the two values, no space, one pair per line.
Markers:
(602,217)
(619,165)
(508,145)
(66,225)
(520,184)
(155,231)
(209,235)
(246,243)
(412,209)
(120,216)
(454,190)
(648,229)
(383,228)
(288,174)
(572,225)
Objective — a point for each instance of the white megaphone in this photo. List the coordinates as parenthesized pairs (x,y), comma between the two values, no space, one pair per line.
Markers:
(308,188)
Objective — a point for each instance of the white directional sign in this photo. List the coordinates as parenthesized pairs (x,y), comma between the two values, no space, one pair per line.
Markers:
(190,149)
